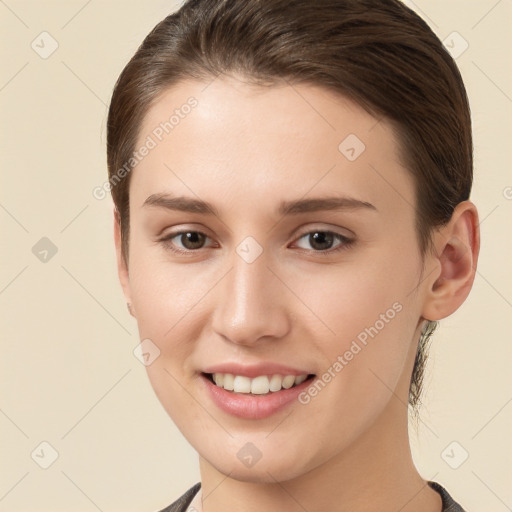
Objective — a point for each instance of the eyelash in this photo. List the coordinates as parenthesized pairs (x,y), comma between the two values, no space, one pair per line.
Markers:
(345,242)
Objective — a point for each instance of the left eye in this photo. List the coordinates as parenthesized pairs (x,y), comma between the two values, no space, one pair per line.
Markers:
(322,241)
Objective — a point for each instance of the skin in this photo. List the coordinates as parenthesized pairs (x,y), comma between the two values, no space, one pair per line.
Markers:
(245,149)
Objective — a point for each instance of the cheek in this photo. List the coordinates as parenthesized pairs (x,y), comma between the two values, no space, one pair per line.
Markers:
(164,293)
(364,361)
(350,299)
(369,316)
(166,300)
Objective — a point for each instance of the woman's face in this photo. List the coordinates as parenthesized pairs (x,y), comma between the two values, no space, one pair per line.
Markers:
(306,263)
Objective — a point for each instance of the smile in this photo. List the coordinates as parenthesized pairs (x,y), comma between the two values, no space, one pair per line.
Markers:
(260,385)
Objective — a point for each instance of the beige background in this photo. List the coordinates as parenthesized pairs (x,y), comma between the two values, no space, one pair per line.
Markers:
(68,374)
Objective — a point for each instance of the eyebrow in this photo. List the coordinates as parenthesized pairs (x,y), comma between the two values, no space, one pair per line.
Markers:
(294,207)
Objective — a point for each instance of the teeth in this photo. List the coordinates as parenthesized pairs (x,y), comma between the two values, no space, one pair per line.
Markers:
(288,381)
(300,379)
(259,385)
(242,384)
(275,383)
(228,381)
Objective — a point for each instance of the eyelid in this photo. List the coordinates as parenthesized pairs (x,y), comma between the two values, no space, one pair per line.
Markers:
(337,230)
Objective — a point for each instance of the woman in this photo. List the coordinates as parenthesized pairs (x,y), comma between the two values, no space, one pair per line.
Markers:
(291,184)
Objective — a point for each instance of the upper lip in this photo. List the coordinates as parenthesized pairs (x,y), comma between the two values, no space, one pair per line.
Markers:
(255,370)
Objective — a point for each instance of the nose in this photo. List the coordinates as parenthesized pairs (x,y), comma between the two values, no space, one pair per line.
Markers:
(250,303)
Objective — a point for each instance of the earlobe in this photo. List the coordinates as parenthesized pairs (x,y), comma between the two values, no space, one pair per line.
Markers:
(457,245)
(122,267)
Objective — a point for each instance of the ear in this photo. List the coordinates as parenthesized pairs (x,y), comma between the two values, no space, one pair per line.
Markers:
(456,248)
(122,266)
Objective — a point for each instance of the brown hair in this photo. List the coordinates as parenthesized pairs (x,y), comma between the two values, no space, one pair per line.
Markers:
(378,53)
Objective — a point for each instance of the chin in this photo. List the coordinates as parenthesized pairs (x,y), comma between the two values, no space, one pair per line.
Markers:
(273,466)
(260,472)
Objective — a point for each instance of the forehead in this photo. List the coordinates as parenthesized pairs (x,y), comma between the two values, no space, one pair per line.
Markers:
(242,139)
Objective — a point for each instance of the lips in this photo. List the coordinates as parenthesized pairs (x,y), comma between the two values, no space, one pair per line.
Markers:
(254,391)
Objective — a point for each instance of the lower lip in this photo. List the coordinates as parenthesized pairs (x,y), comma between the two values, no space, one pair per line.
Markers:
(252,407)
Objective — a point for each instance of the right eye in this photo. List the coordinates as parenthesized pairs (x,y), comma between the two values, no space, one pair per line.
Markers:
(190,241)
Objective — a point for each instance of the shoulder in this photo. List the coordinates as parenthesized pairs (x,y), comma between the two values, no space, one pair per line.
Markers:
(449,504)
(181,504)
